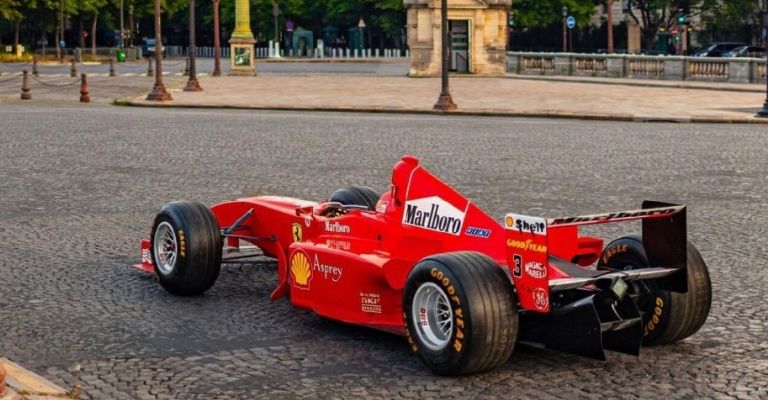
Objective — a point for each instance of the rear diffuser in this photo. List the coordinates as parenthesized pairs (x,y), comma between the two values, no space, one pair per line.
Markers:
(587,327)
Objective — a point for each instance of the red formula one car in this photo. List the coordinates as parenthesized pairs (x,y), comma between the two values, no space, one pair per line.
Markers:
(423,261)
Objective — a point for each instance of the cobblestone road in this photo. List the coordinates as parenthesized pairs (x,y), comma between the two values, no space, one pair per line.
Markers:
(79,187)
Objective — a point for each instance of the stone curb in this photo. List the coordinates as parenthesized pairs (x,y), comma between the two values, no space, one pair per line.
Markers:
(480,113)
(717,87)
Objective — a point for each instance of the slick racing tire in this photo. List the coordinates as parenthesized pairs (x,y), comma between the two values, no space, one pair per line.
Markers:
(186,248)
(356,196)
(667,316)
(461,313)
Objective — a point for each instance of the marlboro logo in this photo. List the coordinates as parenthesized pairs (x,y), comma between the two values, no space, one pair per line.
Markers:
(435,214)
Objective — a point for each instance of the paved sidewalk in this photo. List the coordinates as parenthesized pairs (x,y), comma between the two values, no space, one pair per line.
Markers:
(674,84)
(475,96)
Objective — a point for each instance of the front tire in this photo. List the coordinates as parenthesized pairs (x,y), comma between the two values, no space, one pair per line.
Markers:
(667,316)
(186,248)
(461,313)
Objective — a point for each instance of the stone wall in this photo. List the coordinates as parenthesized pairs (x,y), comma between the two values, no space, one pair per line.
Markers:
(488,34)
(733,70)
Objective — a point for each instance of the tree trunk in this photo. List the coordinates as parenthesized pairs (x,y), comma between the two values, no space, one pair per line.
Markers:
(80,36)
(16,27)
(649,38)
(58,46)
(93,32)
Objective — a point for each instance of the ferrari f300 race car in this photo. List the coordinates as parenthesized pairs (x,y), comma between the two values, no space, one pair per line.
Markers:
(423,261)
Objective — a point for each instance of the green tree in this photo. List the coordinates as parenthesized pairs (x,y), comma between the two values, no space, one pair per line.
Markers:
(656,15)
(542,13)
(741,17)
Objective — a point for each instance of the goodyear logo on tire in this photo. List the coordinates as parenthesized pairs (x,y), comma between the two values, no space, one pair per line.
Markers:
(301,270)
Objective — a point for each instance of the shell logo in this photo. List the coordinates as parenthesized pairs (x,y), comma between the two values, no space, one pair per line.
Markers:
(301,270)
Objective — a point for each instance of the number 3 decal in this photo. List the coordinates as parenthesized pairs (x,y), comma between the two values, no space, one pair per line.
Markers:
(518,270)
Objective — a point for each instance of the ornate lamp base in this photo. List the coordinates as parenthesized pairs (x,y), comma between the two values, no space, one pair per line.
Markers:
(764,112)
(241,57)
(159,93)
(193,86)
(445,103)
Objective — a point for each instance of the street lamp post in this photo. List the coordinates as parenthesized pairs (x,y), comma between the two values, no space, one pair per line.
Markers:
(192,84)
(360,27)
(764,112)
(122,24)
(61,31)
(609,6)
(158,92)
(565,30)
(276,13)
(216,40)
(130,23)
(445,101)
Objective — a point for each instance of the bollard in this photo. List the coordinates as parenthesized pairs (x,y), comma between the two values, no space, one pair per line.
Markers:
(112,67)
(186,68)
(25,95)
(35,72)
(150,72)
(84,94)
(73,69)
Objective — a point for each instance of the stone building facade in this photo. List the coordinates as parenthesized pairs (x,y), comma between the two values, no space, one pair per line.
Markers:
(478,36)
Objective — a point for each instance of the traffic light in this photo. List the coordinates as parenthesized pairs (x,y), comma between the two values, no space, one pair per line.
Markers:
(682,20)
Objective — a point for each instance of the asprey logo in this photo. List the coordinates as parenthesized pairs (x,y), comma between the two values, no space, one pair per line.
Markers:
(435,214)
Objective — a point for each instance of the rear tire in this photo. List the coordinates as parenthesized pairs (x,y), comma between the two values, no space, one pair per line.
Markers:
(461,313)
(356,196)
(186,248)
(667,316)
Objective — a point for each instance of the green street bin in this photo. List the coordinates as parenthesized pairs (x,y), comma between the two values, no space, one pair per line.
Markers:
(120,55)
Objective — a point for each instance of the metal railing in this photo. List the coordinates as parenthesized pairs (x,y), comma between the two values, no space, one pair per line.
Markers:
(265,52)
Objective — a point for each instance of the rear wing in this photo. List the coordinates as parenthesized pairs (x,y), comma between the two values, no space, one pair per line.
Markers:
(664,237)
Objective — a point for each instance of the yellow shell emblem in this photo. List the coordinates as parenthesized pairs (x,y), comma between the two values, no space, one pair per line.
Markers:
(301,269)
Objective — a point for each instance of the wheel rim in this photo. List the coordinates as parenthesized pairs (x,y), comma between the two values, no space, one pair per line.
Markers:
(166,248)
(432,316)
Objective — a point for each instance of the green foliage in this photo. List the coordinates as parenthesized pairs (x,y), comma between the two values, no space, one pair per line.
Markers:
(10,10)
(541,13)
(381,16)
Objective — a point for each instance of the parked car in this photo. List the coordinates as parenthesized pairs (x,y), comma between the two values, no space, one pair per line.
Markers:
(149,46)
(717,49)
(746,51)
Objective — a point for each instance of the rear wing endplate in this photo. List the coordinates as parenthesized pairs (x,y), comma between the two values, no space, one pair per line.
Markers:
(664,236)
